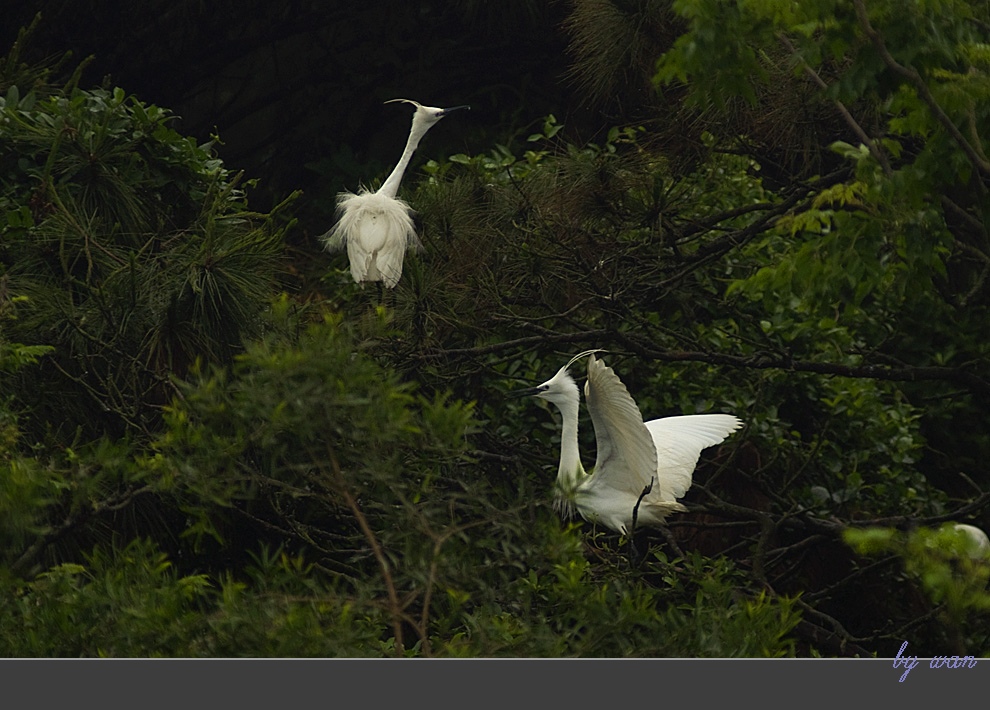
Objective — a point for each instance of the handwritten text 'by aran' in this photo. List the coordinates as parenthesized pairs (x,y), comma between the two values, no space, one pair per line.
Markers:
(909,662)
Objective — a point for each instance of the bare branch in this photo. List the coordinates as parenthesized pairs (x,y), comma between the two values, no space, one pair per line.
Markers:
(395,607)
(841,107)
(778,361)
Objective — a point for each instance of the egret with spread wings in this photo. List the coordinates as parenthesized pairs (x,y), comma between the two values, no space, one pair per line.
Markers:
(641,468)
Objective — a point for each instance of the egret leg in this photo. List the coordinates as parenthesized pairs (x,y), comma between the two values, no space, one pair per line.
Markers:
(635,558)
(646,492)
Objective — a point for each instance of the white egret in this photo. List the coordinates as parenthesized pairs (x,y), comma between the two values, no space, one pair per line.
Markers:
(377,227)
(641,469)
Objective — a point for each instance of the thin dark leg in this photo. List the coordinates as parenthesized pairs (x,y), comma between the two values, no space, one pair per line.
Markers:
(635,559)
(646,492)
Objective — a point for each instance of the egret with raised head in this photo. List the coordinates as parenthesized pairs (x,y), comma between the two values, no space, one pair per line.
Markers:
(641,468)
(377,227)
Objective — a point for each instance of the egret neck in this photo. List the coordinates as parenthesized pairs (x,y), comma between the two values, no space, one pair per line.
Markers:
(423,120)
(570,473)
(390,188)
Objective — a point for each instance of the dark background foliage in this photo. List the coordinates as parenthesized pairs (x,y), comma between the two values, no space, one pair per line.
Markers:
(295,90)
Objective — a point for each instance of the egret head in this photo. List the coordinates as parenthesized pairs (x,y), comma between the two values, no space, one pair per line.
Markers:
(561,389)
(426,116)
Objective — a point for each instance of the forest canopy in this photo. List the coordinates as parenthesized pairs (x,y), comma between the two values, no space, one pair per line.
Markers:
(214,443)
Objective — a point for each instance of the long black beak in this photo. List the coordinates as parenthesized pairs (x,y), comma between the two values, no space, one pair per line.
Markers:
(455,108)
(523,393)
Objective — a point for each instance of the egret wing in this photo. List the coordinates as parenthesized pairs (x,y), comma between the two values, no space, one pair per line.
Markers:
(626,459)
(679,442)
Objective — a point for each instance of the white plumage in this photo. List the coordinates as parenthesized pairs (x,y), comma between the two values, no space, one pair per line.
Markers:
(376,230)
(631,455)
(376,227)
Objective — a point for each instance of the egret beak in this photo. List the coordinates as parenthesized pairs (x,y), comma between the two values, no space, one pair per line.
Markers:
(454,108)
(523,393)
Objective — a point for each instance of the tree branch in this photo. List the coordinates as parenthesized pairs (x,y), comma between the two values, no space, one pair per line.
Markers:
(739,237)
(911,74)
(776,361)
(72,522)
(395,607)
(841,107)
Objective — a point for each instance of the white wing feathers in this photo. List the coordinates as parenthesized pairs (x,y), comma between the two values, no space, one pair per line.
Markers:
(626,458)
(631,452)
(679,442)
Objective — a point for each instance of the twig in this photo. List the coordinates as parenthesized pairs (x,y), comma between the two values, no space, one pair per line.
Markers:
(513,344)
(395,607)
(912,75)
(841,107)
(72,522)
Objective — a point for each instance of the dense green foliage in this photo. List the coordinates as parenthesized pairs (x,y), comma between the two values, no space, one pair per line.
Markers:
(196,460)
